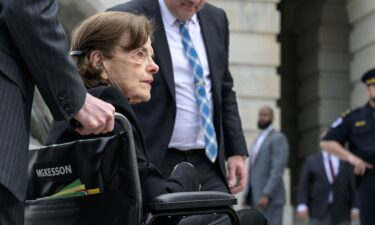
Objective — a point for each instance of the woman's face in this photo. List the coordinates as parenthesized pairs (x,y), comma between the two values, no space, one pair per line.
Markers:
(131,71)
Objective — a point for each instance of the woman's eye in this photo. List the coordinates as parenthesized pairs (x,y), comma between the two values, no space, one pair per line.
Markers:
(141,55)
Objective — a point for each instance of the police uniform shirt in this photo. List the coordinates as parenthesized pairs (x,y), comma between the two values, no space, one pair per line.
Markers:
(358,129)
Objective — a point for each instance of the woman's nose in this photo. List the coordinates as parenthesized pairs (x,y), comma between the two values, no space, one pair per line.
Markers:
(153,67)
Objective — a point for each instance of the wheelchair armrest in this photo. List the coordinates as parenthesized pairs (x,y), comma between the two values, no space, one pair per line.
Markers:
(191,200)
(192,203)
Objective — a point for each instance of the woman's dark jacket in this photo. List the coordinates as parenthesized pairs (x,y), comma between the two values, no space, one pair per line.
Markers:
(184,178)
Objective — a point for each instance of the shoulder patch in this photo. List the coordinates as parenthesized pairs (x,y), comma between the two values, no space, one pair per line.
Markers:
(337,122)
(360,123)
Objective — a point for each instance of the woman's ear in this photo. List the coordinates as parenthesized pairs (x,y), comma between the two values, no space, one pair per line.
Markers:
(97,58)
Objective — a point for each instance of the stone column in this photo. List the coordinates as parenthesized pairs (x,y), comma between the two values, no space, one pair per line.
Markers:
(323,71)
(362,46)
(254,57)
(319,32)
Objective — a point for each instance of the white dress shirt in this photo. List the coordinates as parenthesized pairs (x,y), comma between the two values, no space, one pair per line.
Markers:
(335,165)
(258,142)
(188,130)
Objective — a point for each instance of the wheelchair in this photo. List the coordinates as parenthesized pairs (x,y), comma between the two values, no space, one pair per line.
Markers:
(109,163)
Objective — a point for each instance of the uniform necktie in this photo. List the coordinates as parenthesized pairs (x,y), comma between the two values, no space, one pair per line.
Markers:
(200,93)
(333,176)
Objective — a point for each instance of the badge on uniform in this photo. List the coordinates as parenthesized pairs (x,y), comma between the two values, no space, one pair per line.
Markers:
(337,122)
(360,123)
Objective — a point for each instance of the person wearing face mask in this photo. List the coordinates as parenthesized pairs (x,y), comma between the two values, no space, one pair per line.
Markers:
(268,159)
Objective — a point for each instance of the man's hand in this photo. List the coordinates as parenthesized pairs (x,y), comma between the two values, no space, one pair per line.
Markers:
(237,174)
(360,166)
(263,202)
(304,214)
(337,149)
(354,214)
(95,116)
(244,204)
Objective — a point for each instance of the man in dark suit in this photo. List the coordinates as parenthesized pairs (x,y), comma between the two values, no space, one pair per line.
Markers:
(171,124)
(326,191)
(34,51)
(192,115)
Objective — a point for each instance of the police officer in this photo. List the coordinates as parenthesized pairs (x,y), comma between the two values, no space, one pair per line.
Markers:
(357,128)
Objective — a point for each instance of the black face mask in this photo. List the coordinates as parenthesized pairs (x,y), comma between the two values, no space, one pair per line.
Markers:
(263,125)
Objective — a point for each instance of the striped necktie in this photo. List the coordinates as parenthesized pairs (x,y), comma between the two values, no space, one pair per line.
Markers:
(200,93)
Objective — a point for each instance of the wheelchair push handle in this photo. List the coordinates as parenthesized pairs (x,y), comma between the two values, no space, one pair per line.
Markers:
(118,116)
(124,122)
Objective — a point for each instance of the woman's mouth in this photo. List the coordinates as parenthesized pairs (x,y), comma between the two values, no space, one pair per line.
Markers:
(148,82)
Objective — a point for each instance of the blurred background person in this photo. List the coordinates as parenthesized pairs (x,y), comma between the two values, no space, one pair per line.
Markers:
(357,128)
(268,160)
(327,195)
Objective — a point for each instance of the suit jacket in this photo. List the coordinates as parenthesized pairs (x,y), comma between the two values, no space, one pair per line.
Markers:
(157,116)
(183,178)
(314,189)
(33,51)
(266,172)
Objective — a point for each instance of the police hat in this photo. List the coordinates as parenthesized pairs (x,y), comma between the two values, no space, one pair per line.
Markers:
(369,77)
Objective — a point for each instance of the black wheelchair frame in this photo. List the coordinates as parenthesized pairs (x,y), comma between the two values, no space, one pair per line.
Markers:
(40,212)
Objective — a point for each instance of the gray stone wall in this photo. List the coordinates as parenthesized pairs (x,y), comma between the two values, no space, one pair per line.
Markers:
(72,12)
(254,57)
(362,46)
(314,70)
(323,70)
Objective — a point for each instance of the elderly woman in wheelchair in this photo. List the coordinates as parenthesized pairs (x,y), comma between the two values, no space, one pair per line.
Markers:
(114,56)
(113,53)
